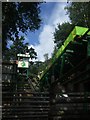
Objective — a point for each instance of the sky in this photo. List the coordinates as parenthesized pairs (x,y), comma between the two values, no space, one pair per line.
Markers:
(42,40)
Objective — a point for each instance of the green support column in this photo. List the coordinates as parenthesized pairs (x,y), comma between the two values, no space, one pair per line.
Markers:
(62,64)
(27,73)
(88,47)
(87,67)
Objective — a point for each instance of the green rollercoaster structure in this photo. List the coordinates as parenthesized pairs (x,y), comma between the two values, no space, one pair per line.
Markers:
(77,35)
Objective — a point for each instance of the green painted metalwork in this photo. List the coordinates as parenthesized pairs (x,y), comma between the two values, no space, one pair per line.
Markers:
(88,46)
(77,31)
(62,64)
(88,33)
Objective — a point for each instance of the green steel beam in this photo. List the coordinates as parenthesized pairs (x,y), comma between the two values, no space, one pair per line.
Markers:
(80,31)
(88,46)
(62,64)
(88,33)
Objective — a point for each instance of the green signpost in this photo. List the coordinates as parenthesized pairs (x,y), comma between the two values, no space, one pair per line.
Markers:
(23,63)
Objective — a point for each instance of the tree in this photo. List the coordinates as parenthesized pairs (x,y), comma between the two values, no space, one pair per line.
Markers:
(19,16)
(32,53)
(79,13)
(61,33)
(19,46)
(46,56)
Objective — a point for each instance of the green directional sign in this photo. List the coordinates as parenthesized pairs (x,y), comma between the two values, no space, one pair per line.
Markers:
(23,64)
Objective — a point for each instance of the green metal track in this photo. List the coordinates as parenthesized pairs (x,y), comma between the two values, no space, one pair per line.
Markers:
(77,31)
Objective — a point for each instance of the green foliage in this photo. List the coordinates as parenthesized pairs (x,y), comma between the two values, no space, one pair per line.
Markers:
(21,16)
(61,33)
(32,53)
(79,13)
(17,47)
